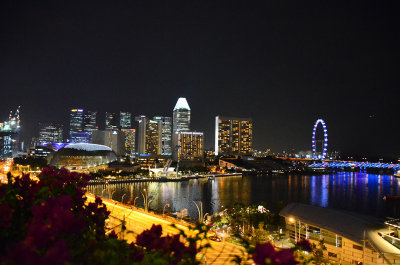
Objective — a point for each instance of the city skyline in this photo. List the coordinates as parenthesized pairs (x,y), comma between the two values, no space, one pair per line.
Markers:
(284,66)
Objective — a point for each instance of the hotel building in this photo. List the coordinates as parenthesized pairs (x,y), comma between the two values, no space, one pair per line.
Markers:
(191,146)
(233,136)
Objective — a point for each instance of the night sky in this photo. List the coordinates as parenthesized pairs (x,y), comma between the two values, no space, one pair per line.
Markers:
(283,64)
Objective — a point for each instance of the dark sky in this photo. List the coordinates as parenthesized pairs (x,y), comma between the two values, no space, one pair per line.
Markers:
(283,63)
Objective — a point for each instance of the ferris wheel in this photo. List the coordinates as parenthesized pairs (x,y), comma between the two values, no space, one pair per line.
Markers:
(324,141)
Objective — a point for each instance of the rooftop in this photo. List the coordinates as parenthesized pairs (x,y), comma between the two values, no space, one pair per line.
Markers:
(347,224)
(88,147)
(182,104)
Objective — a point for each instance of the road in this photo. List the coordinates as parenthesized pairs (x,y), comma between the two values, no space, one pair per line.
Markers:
(137,221)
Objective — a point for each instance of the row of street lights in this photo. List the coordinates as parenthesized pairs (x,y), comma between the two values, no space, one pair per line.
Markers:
(146,203)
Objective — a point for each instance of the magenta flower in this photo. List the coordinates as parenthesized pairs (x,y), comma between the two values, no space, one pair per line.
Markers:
(304,244)
(266,254)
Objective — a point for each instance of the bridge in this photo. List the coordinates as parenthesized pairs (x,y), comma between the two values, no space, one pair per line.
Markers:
(361,165)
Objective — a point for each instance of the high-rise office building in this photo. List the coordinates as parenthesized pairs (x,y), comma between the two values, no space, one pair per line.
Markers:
(76,121)
(181,116)
(233,136)
(111,121)
(50,133)
(130,135)
(180,123)
(191,146)
(166,134)
(114,139)
(125,120)
(149,136)
(90,122)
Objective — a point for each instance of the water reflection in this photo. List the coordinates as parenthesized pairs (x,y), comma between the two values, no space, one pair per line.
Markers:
(359,192)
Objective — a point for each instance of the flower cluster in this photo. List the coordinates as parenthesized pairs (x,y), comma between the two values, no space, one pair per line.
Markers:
(50,221)
(152,240)
(267,254)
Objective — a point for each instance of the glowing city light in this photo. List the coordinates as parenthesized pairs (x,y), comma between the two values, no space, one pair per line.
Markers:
(314,148)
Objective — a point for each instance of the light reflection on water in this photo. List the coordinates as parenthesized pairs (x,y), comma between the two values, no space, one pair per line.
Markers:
(358,192)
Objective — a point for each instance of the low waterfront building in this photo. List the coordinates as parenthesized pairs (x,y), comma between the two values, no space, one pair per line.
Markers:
(147,161)
(349,238)
(82,156)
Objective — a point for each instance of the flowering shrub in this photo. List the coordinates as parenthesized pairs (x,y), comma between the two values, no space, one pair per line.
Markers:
(267,254)
(49,221)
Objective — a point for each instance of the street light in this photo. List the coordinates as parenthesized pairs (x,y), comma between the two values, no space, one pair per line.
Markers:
(112,195)
(122,199)
(200,211)
(102,192)
(148,204)
(134,201)
(164,208)
(145,198)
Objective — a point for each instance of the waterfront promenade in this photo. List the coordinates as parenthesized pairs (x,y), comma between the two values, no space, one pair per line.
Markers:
(133,180)
(137,220)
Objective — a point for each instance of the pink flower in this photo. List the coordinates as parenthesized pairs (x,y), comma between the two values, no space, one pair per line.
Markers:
(266,254)
(304,244)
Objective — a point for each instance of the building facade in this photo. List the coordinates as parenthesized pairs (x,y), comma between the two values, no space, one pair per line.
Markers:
(9,135)
(130,135)
(125,120)
(349,238)
(233,136)
(180,123)
(114,139)
(90,122)
(149,136)
(166,134)
(190,147)
(111,121)
(76,121)
(50,133)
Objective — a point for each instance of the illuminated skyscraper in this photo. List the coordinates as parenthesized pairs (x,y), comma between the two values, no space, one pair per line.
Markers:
(181,122)
(233,136)
(149,136)
(9,135)
(76,121)
(90,122)
(181,116)
(125,120)
(130,135)
(50,133)
(166,134)
(111,121)
(191,146)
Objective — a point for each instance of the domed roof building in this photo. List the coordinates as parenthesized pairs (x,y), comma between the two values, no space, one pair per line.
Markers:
(82,156)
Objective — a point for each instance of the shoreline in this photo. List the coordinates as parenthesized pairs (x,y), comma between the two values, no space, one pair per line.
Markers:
(134,180)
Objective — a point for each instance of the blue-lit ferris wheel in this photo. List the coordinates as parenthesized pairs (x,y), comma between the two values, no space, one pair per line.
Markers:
(325,140)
